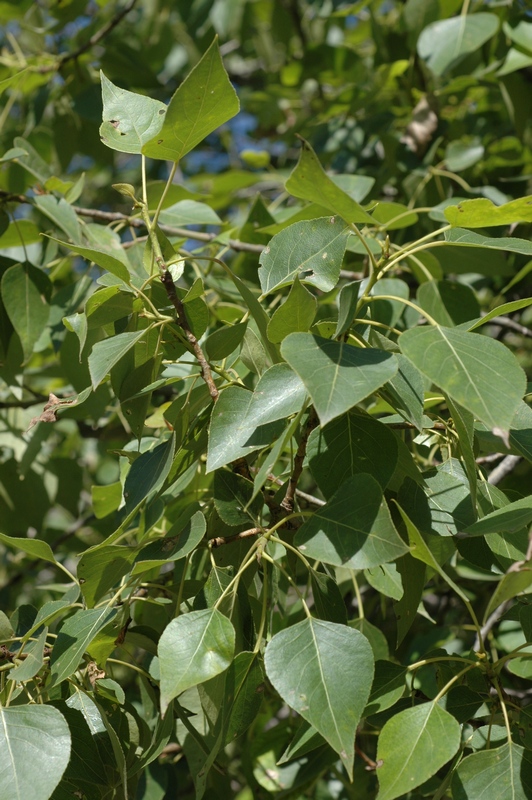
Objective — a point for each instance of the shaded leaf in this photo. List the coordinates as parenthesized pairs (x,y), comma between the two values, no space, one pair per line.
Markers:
(148,473)
(295,314)
(354,529)
(25,293)
(349,445)
(72,641)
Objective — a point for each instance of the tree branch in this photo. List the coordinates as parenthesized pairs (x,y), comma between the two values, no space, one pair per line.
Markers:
(503,469)
(218,541)
(168,283)
(288,502)
(94,39)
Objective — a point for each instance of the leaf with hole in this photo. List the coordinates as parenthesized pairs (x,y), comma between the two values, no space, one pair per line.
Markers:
(130,120)
(312,250)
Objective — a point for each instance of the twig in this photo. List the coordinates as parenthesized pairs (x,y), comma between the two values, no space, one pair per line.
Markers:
(218,541)
(168,283)
(493,618)
(511,324)
(137,222)
(94,39)
(309,498)
(288,502)
(503,469)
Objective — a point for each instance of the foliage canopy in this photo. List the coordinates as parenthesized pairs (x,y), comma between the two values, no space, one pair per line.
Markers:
(266,444)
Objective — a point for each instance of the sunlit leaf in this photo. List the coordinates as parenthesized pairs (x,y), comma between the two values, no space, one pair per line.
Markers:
(324,672)
(203,102)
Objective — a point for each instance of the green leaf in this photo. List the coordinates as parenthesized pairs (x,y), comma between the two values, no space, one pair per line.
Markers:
(26,292)
(192,649)
(33,661)
(328,601)
(406,391)
(189,212)
(148,473)
(413,746)
(224,341)
(203,102)
(444,43)
(108,352)
(61,213)
(388,687)
(100,257)
(73,639)
(458,237)
(101,567)
(308,181)
(32,547)
(505,308)
(296,313)
(232,495)
(510,518)
(465,428)
(347,306)
(482,213)
(35,742)
(502,772)
(245,680)
(510,585)
(349,445)
(337,375)
(324,672)
(448,302)
(278,394)
(178,543)
(312,250)
(354,529)
(412,572)
(419,549)
(480,374)
(231,436)
(130,120)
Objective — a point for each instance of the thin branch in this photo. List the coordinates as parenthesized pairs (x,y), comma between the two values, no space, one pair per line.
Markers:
(500,472)
(218,541)
(511,324)
(168,283)
(288,502)
(94,39)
